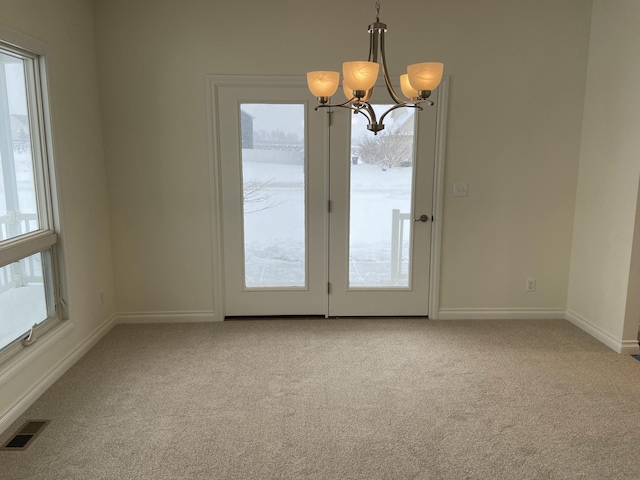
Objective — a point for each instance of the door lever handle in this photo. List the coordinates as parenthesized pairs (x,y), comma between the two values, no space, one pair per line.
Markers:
(423,218)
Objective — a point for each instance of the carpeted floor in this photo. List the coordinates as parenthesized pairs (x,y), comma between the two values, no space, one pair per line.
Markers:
(339,400)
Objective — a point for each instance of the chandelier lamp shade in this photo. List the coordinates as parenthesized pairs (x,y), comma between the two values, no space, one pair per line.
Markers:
(359,78)
(323,84)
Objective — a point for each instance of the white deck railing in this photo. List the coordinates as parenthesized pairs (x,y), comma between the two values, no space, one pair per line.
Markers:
(397,241)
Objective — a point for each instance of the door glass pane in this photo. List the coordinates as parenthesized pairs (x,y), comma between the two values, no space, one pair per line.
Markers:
(273,179)
(18,207)
(380,222)
(22,298)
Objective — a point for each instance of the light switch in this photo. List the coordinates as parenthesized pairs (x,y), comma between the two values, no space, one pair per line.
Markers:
(460,189)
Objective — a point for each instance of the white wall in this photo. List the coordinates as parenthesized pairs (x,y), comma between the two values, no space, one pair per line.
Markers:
(518,72)
(66,26)
(603,289)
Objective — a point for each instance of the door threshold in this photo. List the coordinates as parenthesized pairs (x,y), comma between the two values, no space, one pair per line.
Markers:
(371,317)
(234,318)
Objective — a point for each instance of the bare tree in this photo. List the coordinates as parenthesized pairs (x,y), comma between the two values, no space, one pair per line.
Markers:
(390,148)
(253,192)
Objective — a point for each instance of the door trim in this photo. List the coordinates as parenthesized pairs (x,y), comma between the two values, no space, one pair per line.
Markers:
(442,105)
(213,82)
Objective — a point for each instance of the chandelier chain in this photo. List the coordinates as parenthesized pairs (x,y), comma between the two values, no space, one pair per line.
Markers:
(377,11)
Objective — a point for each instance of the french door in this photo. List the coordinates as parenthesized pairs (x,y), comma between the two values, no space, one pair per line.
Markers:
(319,216)
(379,186)
(272,160)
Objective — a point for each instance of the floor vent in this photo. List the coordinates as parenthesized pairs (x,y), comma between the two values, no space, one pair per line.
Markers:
(24,437)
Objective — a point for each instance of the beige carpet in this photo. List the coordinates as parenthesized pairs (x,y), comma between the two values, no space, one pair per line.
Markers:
(340,400)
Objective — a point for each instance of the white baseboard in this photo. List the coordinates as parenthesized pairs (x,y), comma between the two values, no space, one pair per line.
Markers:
(166,317)
(629,347)
(626,347)
(39,387)
(501,314)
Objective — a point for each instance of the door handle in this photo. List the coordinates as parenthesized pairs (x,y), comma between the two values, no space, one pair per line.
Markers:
(423,218)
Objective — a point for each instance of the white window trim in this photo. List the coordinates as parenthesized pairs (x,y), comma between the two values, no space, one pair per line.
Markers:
(45,179)
(26,245)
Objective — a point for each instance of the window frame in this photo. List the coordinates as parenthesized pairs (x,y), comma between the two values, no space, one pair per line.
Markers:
(45,240)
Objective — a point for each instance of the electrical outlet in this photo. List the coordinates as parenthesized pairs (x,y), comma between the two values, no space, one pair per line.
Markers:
(531,285)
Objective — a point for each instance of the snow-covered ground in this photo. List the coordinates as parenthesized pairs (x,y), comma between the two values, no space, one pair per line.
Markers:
(20,307)
(275,236)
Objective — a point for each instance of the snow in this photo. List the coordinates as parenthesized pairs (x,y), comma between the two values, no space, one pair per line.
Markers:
(20,307)
(274,237)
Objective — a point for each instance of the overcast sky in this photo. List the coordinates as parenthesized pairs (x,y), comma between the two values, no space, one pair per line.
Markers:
(15,85)
(269,117)
(289,118)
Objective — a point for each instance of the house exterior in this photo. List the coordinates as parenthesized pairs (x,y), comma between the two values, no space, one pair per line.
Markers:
(246,127)
(19,125)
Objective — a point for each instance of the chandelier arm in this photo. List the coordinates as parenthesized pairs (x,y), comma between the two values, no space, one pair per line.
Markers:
(344,105)
(383,61)
(355,110)
(400,105)
(363,113)
(370,113)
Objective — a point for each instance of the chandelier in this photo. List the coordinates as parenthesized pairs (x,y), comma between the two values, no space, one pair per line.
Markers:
(359,77)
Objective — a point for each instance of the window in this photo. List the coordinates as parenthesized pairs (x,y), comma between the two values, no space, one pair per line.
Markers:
(273,193)
(28,273)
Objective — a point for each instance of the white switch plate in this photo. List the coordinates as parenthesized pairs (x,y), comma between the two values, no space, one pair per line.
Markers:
(460,189)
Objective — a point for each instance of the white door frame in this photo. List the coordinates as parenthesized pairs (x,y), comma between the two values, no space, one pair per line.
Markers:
(213,82)
(442,105)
